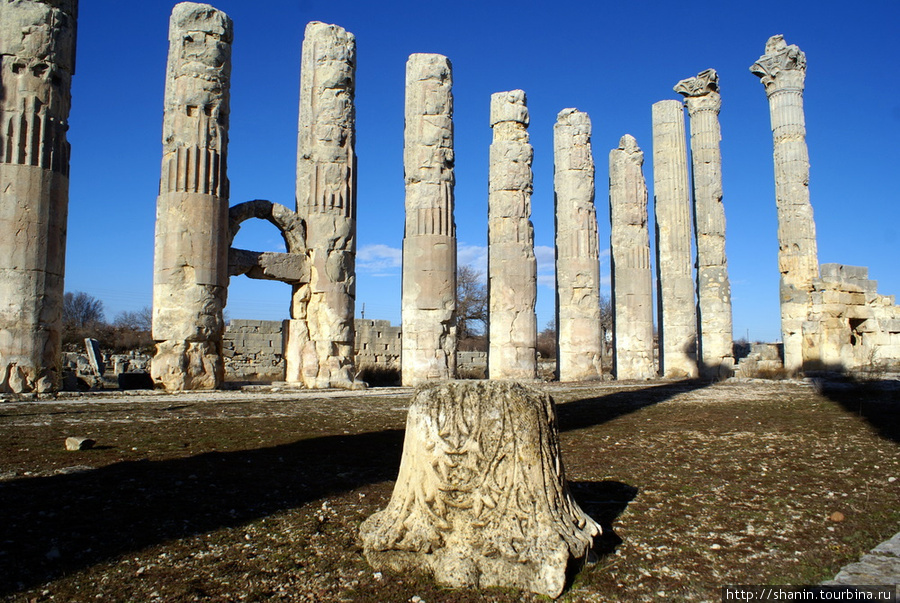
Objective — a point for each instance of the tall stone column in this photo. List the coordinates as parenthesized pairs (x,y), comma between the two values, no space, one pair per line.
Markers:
(632,282)
(320,334)
(782,71)
(37,61)
(190,279)
(512,267)
(715,345)
(578,356)
(429,240)
(672,206)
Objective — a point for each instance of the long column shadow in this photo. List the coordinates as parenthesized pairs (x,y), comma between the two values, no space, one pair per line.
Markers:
(52,526)
(877,401)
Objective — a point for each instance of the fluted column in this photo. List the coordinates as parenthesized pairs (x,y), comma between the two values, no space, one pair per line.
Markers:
(579,334)
(190,280)
(632,282)
(320,332)
(672,207)
(512,267)
(429,241)
(715,343)
(782,70)
(37,61)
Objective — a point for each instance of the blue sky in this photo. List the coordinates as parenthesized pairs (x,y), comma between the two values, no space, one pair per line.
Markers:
(610,59)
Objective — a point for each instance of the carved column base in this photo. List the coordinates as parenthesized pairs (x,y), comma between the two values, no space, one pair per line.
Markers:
(481,497)
(188,365)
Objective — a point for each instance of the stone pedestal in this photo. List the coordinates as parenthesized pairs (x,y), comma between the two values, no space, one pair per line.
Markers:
(429,240)
(782,70)
(715,344)
(190,278)
(579,334)
(37,61)
(481,497)
(674,266)
(512,267)
(326,201)
(632,281)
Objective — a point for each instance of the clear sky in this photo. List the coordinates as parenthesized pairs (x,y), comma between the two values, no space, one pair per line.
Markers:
(610,59)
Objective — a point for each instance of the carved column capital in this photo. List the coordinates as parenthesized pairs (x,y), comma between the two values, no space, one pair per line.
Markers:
(783,67)
(701,92)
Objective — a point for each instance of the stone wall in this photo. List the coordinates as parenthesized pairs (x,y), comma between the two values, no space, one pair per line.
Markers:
(378,343)
(253,350)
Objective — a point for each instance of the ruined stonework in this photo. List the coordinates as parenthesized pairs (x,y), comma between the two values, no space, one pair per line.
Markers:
(577,250)
(481,497)
(632,281)
(321,330)
(782,70)
(850,326)
(37,61)
(191,256)
(429,240)
(674,265)
(715,344)
(378,343)
(253,350)
(512,267)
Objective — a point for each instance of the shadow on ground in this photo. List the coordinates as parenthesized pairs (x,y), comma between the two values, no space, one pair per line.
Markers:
(877,401)
(56,525)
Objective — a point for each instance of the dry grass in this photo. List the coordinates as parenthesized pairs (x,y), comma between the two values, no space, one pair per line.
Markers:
(258,496)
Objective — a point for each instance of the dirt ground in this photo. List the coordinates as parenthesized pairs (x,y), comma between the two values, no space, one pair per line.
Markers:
(258,495)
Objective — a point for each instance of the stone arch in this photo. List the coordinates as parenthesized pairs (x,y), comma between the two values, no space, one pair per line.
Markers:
(291,267)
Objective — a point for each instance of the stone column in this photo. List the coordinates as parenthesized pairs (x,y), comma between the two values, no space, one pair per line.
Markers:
(429,241)
(37,60)
(715,345)
(632,282)
(320,334)
(190,279)
(512,267)
(782,71)
(579,345)
(672,206)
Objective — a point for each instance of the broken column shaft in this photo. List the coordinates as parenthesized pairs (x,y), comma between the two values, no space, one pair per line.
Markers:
(512,267)
(429,241)
(191,257)
(577,250)
(715,345)
(37,60)
(320,334)
(782,71)
(672,207)
(632,281)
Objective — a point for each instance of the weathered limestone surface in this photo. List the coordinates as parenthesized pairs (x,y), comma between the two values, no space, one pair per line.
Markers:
(577,250)
(782,70)
(481,497)
(512,266)
(429,241)
(191,256)
(37,61)
(715,344)
(672,207)
(321,330)
(632,282)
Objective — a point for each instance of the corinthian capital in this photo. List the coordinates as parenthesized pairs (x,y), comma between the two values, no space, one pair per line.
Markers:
(701,92)
(783,66)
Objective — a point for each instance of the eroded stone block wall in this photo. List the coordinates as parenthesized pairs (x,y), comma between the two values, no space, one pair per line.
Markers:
(253,350)
(378,343)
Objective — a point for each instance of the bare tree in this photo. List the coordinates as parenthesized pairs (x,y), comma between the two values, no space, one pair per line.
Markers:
(471,303)
(140,320)
(81,311)
(546,341)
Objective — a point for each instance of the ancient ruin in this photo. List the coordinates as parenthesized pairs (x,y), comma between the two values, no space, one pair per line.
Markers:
(320,334)
(579,351)
(429,239)
(481,497)
(512,266)
(37,61)
(190,279)
(715,353)
(632,281)
(782,70)
(674,264)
